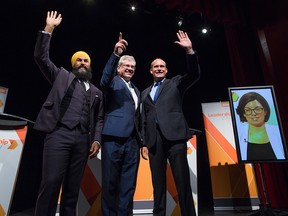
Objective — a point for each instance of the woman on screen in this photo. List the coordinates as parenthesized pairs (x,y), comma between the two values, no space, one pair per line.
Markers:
(258,141)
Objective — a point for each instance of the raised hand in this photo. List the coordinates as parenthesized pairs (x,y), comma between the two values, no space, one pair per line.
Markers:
(52,20)
(184,41)
(120,46)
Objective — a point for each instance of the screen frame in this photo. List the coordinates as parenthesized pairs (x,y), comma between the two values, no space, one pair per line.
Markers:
(235,93)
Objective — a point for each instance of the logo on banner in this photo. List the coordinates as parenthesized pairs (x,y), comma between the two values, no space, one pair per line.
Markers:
(11,144)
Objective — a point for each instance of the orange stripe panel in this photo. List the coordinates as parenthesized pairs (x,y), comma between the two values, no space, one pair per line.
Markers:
(220,139)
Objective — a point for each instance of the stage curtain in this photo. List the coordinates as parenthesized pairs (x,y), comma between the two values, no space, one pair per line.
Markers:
(256,33)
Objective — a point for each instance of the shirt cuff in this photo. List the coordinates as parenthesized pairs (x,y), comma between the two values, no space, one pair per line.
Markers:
(44,32)
(98,143)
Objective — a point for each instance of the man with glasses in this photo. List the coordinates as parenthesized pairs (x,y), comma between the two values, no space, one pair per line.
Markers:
(121,140)
(258,141)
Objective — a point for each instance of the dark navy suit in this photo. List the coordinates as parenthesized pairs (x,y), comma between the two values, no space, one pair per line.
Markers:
(165,132)
(72,119)
(120,143)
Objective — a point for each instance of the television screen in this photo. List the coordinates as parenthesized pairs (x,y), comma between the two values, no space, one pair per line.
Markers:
(256,124)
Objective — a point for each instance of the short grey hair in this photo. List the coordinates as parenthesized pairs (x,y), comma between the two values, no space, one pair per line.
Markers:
(126,58)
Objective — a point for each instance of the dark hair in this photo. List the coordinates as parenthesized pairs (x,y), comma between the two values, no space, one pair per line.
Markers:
(248,97)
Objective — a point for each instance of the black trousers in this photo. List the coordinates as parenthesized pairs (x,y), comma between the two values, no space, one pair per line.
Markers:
(65,156)
(176,153)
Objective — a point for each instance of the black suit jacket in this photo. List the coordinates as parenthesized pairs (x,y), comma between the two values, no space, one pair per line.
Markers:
(60,79)
(167,111)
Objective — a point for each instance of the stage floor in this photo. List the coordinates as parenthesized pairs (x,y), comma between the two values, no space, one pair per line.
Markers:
(202,212)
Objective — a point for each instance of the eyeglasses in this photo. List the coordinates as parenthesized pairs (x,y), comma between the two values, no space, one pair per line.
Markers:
(257,110)
(133,67)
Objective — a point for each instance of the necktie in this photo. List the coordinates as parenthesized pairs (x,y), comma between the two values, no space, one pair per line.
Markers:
(83,84)
(157,84)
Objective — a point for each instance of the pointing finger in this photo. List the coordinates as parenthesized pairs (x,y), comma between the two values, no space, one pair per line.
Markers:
(120,36)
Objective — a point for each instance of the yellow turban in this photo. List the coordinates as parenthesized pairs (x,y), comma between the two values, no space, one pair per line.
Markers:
(78,55)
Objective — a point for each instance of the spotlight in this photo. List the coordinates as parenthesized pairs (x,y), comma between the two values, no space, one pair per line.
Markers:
(133,8)
(204,30)
(179,21)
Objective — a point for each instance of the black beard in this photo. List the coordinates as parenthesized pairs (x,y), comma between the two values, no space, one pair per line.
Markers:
(83,75)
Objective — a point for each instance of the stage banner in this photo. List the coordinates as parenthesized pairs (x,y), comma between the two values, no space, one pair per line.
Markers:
(3,96)
(11,146)
(89,203)
(233,185)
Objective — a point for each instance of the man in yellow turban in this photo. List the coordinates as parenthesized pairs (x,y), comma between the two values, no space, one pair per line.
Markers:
(81,66)
(80,54)
(72,118)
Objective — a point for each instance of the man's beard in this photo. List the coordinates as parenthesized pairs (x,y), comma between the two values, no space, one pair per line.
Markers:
(83,75)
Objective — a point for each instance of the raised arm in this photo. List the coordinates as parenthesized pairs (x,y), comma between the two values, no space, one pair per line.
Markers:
(111,65)
(192,74)
(42,46)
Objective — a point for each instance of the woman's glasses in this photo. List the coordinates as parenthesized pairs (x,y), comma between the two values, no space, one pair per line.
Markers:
(257,110)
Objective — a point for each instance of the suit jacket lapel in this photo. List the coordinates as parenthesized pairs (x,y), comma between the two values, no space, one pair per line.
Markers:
(146,93)
(93,95)
(70,79)
(127,91)
(137,93)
